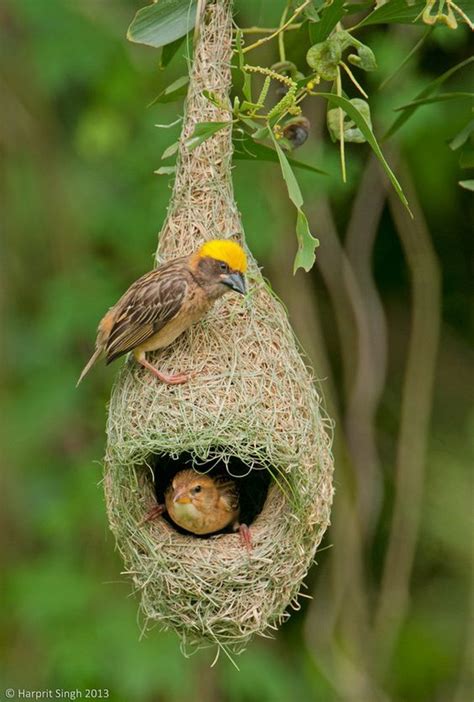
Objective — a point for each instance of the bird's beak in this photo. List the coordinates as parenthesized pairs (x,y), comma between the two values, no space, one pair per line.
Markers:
(182,498)
(235,281)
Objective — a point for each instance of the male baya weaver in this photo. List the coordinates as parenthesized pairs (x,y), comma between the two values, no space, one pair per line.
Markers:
(163,303)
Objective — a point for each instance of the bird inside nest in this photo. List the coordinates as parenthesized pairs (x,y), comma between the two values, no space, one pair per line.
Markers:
(202,504)
(163,303)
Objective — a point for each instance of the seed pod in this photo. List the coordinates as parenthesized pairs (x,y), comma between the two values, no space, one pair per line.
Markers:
(296,131)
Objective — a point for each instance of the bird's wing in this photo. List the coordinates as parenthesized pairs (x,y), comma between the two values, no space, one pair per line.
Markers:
(228,493)
(147,306)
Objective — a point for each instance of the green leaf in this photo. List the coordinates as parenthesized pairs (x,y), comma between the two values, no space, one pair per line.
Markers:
(170,151)
(355,115)
(441,97)
(394,11)
(350,132)
(319,31)
(247,84)
(165,170)
(428,90)
(170,50)
(213,99)
(307,243)
(466,159)
(246,149)
(294,191)
(324,58)
(356,7)
(176,90)
(461,138)
(311,12)
(202,132)
(467,184)
(402,12)
(364,58)
(163,22)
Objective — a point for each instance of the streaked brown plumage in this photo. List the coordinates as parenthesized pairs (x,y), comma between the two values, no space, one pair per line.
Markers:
(203,504)
(163,303)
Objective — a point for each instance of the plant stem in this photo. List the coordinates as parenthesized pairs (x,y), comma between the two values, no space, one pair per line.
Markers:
(353,79)
(341,127)
(280,29)
(268,30)
(281,36)
(407,58)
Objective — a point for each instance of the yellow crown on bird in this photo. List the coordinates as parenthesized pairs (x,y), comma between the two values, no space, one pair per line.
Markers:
(225,250)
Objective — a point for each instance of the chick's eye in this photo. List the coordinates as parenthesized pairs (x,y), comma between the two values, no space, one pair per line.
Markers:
(223,267)
(198,488)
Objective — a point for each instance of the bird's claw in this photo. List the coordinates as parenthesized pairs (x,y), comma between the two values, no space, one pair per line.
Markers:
(245,537)
(179,378)
(152,514)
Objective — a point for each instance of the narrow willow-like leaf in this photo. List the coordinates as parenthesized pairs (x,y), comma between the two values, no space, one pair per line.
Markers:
(170,150)
(462,136)
(294,191)
(402,12)
(467,184)
(466,159)
(247,84)
(165,170)
(202,132)
(307,243)
(170,50)
(355,115)
(176,90)
(319,31)
(426,92)
(163,22)
(441,97)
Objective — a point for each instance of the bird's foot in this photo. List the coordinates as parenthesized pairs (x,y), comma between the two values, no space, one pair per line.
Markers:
(245,536)
(176,379)
(153,513)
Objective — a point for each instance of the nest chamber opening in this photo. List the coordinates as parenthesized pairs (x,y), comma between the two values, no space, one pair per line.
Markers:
(252,483)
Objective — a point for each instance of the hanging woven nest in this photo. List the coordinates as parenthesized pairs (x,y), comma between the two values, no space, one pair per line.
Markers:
(251,408)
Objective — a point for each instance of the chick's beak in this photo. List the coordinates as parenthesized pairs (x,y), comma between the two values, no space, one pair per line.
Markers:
(181,497)
(235,281)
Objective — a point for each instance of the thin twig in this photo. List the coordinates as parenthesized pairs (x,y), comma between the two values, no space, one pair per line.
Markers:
(267,30)
(281,36)
(341,127)
(280,29)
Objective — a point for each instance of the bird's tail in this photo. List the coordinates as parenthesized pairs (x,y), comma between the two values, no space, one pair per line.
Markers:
(95,356)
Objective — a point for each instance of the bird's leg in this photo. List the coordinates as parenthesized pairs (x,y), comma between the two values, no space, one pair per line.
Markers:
(168,379)
(245,535)
(152,514)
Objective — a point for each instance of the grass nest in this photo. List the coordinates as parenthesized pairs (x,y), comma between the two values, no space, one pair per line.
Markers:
(251,409)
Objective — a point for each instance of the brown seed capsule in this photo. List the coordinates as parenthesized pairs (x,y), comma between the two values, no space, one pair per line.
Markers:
(296,131)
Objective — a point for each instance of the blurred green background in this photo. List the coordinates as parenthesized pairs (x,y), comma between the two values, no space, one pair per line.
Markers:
(81,209)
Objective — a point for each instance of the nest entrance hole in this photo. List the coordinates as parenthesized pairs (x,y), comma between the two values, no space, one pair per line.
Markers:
(253,483)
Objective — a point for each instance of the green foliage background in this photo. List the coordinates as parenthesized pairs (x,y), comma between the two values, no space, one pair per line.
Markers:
(80,212)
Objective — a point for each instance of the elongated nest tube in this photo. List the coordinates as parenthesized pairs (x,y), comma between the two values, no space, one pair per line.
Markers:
(251,409)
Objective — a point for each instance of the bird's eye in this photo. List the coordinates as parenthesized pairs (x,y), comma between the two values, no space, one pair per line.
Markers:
(198,488)
(223,267)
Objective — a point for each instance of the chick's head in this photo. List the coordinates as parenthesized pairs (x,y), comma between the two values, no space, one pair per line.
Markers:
(191,488)
(219,267)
